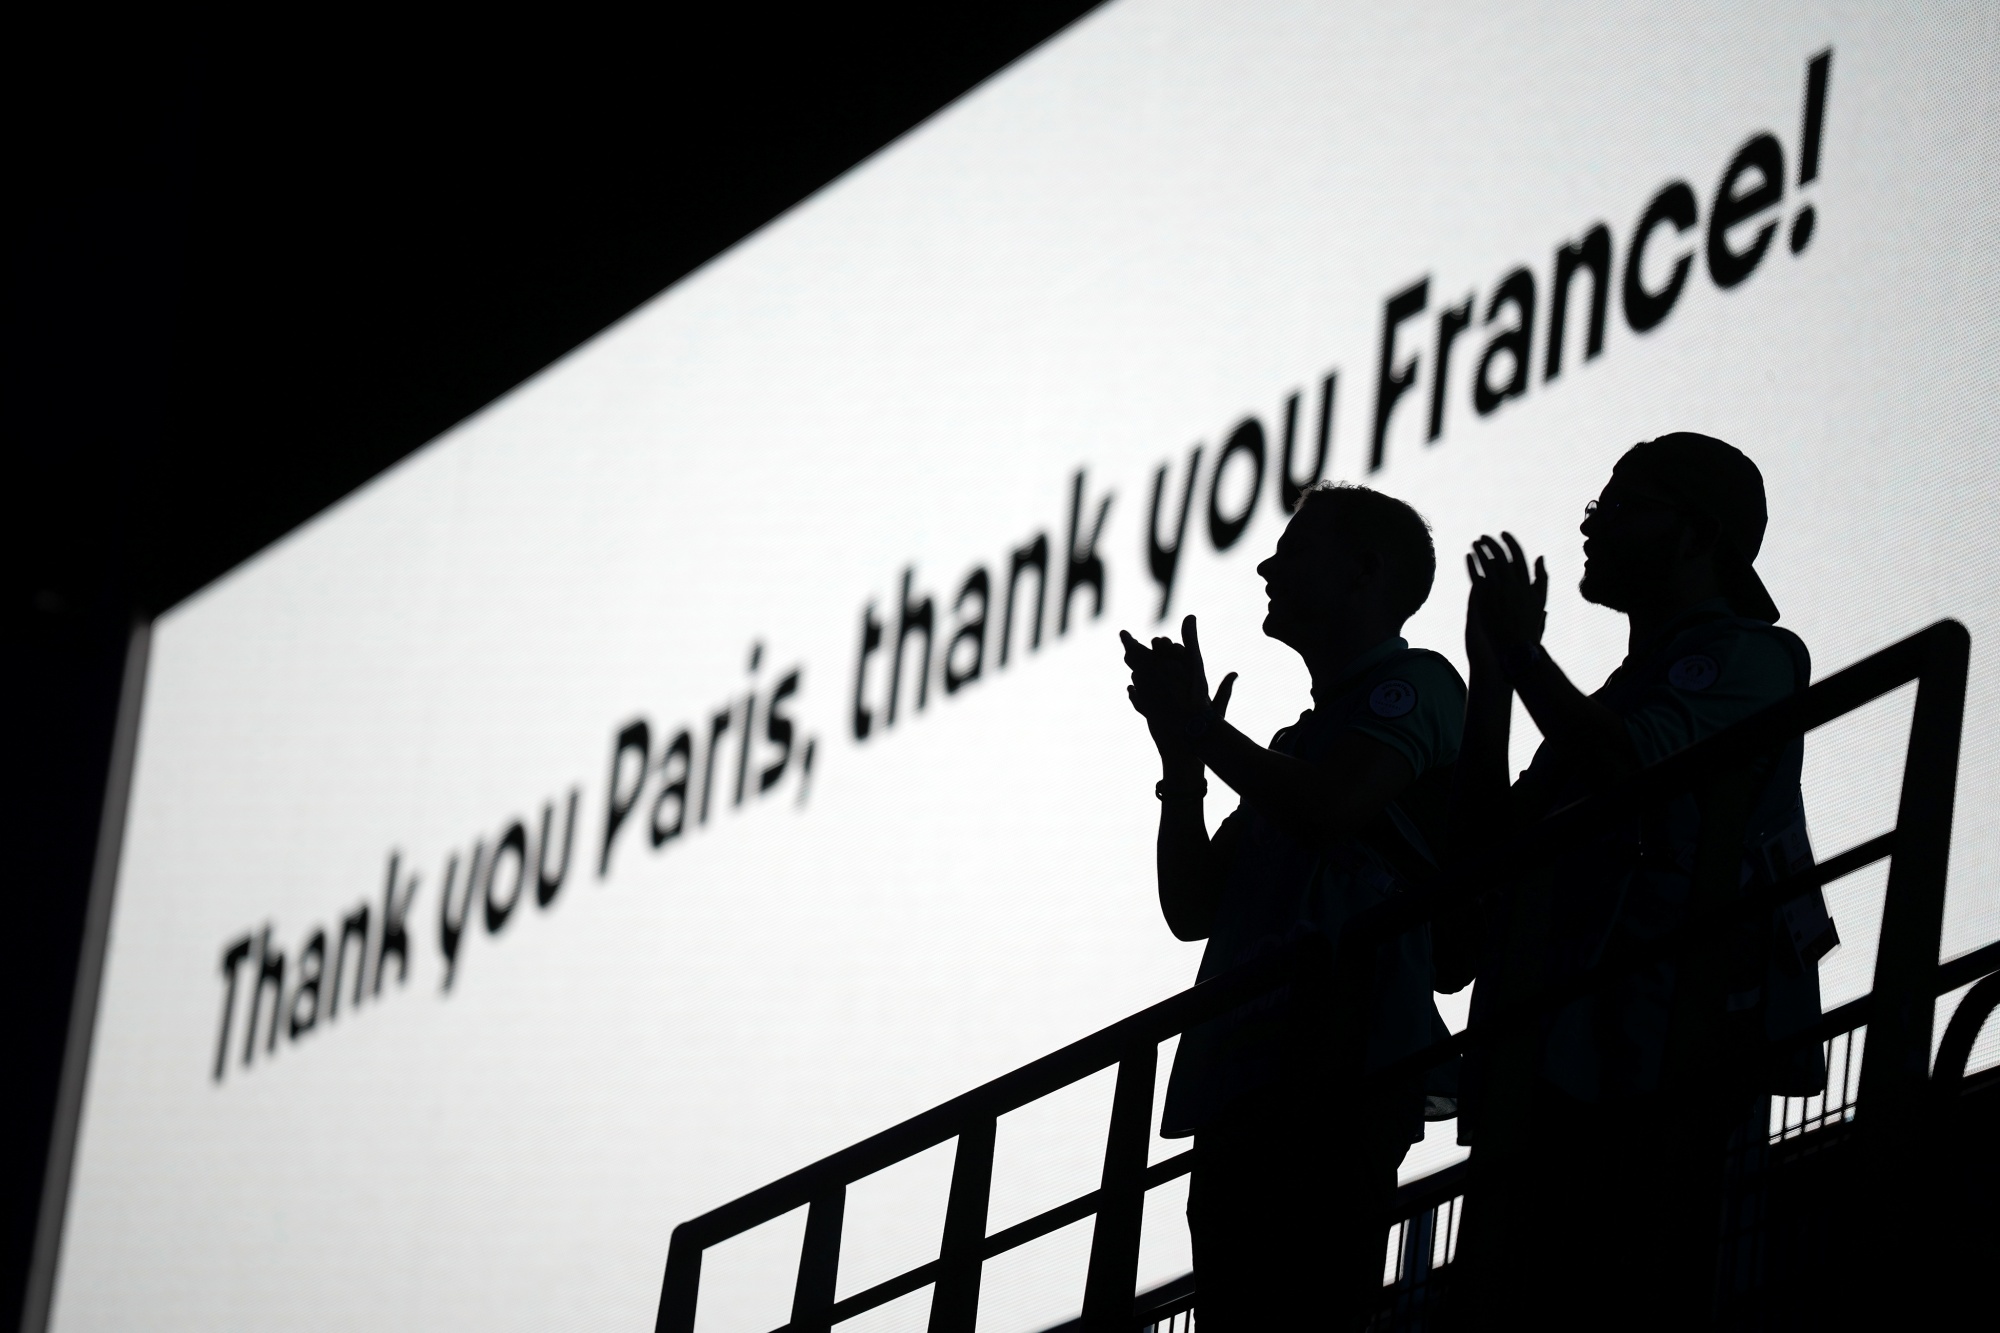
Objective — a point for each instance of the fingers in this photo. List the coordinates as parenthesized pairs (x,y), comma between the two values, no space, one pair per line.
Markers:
(1222,692)
(1485,561)
(1491,557)
(1197,670)
(1488,557)
(1541,584)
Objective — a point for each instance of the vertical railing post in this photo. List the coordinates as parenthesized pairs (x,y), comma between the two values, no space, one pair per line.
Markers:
(1121,1200)
(1895,1072)
(681,1284)
(955,1298)
(1894,1107)
(1413,1265)
(819,1263)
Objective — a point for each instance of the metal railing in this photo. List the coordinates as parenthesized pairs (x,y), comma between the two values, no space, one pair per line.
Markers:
(1783,1132)
(1422,1231)
(1894,1079)
(1422,1245)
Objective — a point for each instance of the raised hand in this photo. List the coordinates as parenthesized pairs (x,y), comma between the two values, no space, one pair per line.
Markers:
(1170,685)
(1199,671)
(1482,654)
(1508,606)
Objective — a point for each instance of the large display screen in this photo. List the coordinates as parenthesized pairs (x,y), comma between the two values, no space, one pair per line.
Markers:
(716,750)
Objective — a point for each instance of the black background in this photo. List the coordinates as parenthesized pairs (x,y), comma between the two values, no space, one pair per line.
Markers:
(250,265)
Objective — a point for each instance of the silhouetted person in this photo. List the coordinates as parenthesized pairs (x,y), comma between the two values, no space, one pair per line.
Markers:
(1295,1164)
(1598,1199)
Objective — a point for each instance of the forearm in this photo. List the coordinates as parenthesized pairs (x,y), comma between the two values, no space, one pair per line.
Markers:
(1480,782)
(1184,857)
(1571,721)
(1306,800)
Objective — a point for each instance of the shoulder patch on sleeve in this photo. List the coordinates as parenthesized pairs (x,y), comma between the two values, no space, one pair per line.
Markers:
(1392,698)
(1697,671)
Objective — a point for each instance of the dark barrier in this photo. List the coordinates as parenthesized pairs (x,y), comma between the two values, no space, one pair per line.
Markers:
(1895,1082)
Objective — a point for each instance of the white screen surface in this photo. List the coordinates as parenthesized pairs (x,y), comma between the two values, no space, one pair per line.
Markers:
(1166,222)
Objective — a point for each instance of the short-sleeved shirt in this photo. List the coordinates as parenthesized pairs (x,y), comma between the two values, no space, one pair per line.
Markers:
(1413,701)
(1706,673)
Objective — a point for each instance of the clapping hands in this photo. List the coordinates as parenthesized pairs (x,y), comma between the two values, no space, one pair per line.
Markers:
(1170,686)
(1508,608)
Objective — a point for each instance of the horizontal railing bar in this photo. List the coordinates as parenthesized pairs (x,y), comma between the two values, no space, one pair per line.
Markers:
(1968,967)
(1167,1293)
(1951,974)
(1436,1187)
(1058,1069)
(1841,1018)
(1418,1196)
(883,1292)
(1040,1225)
(1034,1228)
(1160,1172)
(1151,1306)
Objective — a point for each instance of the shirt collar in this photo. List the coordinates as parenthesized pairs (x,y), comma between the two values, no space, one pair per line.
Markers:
(1380,653)
(1715,608)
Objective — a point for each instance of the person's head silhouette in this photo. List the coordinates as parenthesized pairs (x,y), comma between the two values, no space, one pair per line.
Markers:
(1351,567)
(1679,523)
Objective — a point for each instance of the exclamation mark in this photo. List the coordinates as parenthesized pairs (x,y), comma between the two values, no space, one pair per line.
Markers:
(1809,137)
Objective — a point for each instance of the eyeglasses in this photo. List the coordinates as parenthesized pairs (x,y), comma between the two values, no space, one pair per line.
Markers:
(1628,505)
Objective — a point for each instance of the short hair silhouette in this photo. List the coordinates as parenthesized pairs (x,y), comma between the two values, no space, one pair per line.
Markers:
(1362,519)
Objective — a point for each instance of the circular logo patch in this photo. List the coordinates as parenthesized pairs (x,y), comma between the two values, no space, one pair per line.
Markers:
(1693,673)
(1392,698)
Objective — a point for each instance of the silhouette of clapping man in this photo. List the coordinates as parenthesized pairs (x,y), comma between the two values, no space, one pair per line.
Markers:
(1597,1188)
(1295,1149)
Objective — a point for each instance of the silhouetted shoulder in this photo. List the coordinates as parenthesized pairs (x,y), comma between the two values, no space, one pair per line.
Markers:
(1435,669)
(1414,702)
(1710,677)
